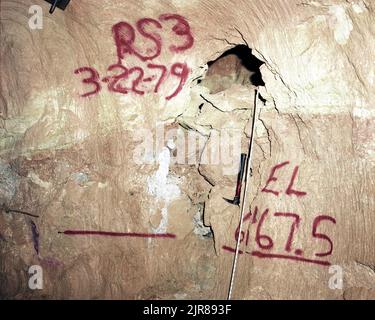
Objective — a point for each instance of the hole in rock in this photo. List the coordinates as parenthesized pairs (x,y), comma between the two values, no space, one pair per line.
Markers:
(237,65)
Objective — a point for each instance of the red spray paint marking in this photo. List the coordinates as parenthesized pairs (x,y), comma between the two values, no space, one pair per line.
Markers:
(226,248)
(125,35)
(154,37)
(295,225)
(245,234)
(289,191)
(116,82)
(181,28)
(266,243)
(93,79)
(278,256)
(315,234)
(272,178)
(118,234)
(260,238)
(163,75)
(181,71)
(288,257)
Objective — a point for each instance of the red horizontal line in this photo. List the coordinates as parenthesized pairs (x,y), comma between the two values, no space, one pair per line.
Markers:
(277,256)
(118,234)
(232,250)
(282,256)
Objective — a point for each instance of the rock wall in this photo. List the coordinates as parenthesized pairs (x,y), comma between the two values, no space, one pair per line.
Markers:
(122,125)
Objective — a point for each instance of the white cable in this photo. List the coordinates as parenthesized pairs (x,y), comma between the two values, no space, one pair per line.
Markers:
(247,171)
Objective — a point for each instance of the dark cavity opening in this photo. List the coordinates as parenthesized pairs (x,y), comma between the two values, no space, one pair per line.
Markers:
(236,65)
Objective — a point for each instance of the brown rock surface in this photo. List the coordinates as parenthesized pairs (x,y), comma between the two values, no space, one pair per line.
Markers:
(122,163)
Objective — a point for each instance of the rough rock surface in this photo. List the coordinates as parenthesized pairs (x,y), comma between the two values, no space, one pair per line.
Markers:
(76,161)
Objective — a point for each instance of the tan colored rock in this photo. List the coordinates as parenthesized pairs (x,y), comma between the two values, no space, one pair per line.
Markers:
(72,160)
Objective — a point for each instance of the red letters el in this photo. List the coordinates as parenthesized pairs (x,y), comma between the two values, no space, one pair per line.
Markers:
(273,178)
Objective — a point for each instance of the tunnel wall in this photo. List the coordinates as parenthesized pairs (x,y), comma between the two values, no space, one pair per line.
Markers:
(90,146)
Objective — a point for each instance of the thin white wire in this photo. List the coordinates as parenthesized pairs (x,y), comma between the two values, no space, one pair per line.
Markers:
(248,166)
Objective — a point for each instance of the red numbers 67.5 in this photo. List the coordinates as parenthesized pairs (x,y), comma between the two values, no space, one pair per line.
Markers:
(265,245)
